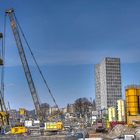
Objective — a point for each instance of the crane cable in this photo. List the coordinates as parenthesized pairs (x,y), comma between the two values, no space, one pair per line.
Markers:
(33,56)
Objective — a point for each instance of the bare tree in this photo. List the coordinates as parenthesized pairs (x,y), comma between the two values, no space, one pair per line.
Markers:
(82,106)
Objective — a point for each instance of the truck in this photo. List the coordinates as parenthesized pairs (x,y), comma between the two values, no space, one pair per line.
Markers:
(100,126)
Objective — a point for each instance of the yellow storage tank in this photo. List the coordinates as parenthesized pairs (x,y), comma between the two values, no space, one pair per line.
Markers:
(111,114)
(133,100)
(121,110)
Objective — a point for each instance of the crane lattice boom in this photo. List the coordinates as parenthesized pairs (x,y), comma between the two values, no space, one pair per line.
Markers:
(25,65)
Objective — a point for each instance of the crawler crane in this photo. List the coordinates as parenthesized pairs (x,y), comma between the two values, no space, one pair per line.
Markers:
(4,115)
(16,29)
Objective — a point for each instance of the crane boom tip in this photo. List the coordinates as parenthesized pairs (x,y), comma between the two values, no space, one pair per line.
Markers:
(11,10)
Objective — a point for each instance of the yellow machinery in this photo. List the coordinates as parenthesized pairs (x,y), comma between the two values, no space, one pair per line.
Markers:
(4,118)
(4,115)
(53,125)
(16,28)
(19,130)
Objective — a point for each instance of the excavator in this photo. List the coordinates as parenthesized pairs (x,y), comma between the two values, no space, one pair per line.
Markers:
(54,123)
(17,32)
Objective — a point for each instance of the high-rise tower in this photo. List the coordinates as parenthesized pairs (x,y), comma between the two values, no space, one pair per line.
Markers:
(108,83)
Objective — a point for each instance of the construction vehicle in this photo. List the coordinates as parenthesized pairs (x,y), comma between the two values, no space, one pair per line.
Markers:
(54,126)
(100,127)
(19,130)
(16,28)
(54,123)
(25,65)
(4,118)
(4,115)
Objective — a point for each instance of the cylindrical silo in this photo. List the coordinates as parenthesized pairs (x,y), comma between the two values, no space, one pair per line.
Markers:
(133,100)
(111,114)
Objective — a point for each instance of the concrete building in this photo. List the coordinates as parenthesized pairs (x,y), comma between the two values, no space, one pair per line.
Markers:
(32,114)
(53,110)
(45,109)
(13,116)
(70,108)
(121,110)
(64,110)
(108,83)
(111,114)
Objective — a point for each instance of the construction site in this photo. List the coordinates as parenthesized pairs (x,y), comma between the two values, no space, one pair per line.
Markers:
(45,123)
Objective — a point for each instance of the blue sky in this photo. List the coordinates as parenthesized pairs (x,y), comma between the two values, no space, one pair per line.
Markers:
(68,37)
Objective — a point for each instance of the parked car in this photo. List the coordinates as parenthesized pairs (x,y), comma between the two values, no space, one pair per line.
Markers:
(80,135)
